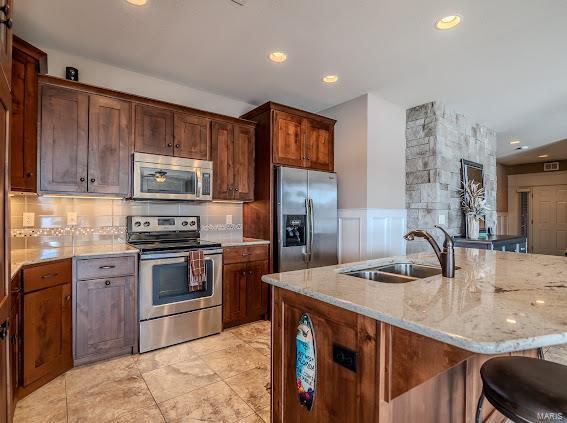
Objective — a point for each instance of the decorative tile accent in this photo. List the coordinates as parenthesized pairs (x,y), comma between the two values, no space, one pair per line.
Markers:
(221,227)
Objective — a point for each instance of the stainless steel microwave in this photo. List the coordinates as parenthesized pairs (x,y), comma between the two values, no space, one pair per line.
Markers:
(157,177)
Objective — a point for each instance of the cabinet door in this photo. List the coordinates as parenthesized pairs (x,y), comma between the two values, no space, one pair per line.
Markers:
(15,331)
(192,137)
(23,144)
(4,362)
(234,294)
(109,145)
(105,315)
(222,145)
(318,145)
(287,143)
(47,334)
(6,44)
(64,140)
(243,163)
(154,130)
(257,302)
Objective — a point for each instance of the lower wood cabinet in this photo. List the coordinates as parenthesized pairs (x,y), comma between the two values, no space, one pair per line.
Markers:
(105,308)
(15,334)
(245,297)
(47,330)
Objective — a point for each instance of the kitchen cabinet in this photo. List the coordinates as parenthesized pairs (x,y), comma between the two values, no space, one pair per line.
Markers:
(288,139)
(105,308)
(27,63)
(85,143)
(15,333)
(233,161)
(47,334)
(6,41)
(154,130)
(245,296)
(192,136)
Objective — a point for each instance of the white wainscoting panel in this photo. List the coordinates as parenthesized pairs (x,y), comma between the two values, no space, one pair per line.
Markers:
(371,233)
(502,223)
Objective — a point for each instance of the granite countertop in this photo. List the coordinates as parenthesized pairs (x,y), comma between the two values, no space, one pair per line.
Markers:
(241,242)
(490,239)
(25,257)
(498,302)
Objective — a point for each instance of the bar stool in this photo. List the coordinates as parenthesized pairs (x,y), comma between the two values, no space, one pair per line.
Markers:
(524,389)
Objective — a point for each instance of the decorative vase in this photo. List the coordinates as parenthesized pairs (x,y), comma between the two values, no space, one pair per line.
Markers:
(473,227)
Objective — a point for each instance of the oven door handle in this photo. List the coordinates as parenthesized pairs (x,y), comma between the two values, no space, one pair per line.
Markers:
(185,254)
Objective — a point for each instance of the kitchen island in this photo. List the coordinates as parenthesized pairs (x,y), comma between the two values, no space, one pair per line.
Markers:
(411,352)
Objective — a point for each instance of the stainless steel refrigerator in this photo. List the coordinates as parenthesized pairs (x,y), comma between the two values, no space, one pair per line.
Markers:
(306,219)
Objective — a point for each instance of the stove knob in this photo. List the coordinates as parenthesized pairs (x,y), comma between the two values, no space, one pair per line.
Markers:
(146,224)
(138,224)
(193,223)
(184,223)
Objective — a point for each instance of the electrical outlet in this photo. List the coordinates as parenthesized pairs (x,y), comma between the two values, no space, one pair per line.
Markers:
(29,220)
(229,219)
(71,218)
(442,219)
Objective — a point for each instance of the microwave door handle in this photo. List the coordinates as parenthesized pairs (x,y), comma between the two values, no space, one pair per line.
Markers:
(199,189)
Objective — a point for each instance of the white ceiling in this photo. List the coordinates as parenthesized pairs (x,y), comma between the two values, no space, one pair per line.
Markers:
(555,151)
(505,65)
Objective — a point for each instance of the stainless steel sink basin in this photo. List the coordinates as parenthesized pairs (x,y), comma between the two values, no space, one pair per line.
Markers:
(397,272)
(417,271)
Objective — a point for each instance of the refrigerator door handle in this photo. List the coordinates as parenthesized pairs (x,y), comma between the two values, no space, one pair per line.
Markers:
(311,226)
(309,230)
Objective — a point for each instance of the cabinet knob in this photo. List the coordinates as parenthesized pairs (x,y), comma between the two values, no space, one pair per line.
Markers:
(243,273)
(29,174)
(107,283)
(177,146)
(230,188)
(92,179)
(169,144)
(250,272)
(82,179)
(8,22)
(236,189)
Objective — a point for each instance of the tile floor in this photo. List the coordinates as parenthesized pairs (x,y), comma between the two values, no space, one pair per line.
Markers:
(222,378)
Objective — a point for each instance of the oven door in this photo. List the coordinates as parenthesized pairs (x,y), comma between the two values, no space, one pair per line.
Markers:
(164,284)
(171,182)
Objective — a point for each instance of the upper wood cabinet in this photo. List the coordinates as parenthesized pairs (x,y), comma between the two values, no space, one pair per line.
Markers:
(109,139)
(6,42)
(27,62)
(154,130)
(64,140)
(302,141)
(192,136)
(85,142)
(233,161)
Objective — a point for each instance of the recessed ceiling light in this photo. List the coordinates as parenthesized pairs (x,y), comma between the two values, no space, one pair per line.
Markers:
(137,2)
(511,321)
(448,22)
(330,79)
(278,56)
(543,156)
(540,301)
(515,142)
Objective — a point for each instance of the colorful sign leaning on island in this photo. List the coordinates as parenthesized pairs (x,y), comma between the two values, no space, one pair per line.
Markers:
(305,361)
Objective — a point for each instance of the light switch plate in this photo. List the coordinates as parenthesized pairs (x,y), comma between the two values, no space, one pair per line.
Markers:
(71,218)
(442,219)
(229,219)
(29,220)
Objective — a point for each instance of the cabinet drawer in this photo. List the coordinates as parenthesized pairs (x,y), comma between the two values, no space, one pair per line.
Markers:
(106,267)
(245,254)
(47,275)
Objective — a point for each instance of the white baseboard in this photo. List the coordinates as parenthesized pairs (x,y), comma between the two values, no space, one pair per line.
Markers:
(371,233)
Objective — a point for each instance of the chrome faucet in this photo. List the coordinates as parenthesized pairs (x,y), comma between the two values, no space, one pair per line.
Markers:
(446,257)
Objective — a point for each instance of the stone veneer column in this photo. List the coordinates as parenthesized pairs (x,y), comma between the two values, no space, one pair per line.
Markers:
(436,141)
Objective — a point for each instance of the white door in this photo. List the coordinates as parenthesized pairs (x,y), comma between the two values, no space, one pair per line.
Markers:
(549,220)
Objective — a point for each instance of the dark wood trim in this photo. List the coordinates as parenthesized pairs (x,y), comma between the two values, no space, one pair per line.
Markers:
(33,51)
(91,89)
(270,105)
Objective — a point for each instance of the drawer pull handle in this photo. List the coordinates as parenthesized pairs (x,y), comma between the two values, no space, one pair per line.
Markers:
(245,254)
(107,283)
(107,267)
(49,275)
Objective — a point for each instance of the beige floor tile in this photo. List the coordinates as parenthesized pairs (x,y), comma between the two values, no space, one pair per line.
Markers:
(47,404)
(87,377)
(254,418)
(160,358)
(252,331)
(265,414)
(557,354)
(232,361)
(215,343)
(108,400)
(216,402)
(145,415)
(253,386)
(179,378)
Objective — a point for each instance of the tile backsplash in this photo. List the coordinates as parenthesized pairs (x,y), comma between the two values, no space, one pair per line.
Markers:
(104,220)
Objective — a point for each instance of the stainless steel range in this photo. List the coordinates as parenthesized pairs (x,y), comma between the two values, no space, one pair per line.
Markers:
(169,311)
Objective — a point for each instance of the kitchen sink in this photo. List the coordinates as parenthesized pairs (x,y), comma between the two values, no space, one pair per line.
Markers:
(397,272)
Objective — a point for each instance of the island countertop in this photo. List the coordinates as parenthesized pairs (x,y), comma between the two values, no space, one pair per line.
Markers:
(498,302)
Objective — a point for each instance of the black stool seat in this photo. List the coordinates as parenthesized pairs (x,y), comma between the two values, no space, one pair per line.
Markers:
(525,389)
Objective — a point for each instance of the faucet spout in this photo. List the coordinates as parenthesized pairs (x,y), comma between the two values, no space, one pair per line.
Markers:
(446,256)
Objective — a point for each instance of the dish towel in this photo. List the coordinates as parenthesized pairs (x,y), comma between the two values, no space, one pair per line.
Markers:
(197,272)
